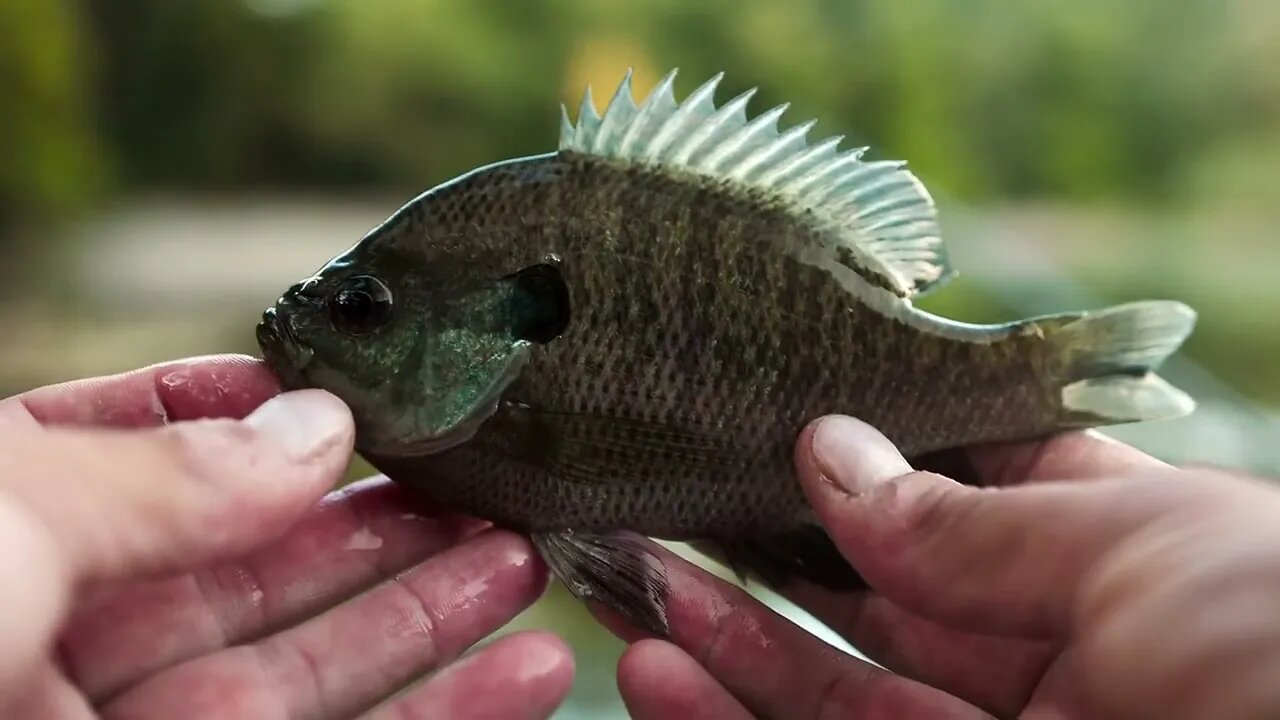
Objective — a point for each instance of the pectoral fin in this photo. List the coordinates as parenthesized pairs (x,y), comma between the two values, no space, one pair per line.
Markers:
(614,569)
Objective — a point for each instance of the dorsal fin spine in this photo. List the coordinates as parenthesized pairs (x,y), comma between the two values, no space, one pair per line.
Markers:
(685,112)
(823,173)
(684,152)
(588,121)
(770,153)
(618,115)
(847,189)
(879,211)
(885,208)
(876,193)
(841,182)
(661,100)
(783,171)
(566,127)
(887,222)
(743,142)
(737,117)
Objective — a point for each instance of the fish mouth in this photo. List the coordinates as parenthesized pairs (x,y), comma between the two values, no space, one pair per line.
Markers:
(283,352)
(271,332)
(268,332)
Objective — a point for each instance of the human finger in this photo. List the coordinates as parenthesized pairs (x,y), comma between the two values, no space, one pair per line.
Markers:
(991,672)
(120,502)
(47,695)
(1182,621)
(34,591)
(214,386)
(1002,560)
(658,680)
(354,655)
(995,673)
(356,537)
(773,667)
(523,676)
(81,505)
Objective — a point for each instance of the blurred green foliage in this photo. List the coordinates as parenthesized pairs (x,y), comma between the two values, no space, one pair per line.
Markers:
(988,98)
(1136,142)
(1167,109)
(48,151)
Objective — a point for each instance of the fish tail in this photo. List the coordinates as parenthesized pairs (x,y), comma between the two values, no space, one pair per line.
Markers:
(1110,358)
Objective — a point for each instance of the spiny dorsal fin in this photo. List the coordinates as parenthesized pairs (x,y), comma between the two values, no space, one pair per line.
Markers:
(881,211)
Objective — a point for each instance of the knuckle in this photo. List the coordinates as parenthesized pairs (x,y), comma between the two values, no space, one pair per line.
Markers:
(284,662)
(930,520)
(233,598)
(928,506)
(846,690)
(208,467)
(415,617)
(732,634)
(206,450)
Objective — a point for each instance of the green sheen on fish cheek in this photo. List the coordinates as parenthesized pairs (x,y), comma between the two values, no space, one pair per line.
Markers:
(428,380)
(437,387)
(467,371)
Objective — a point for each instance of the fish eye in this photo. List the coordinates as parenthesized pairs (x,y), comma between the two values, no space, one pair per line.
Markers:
(361,304)
(540,305)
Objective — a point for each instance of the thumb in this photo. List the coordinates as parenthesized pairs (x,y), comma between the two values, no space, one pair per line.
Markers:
(116,502)
(79,505)
(995,560)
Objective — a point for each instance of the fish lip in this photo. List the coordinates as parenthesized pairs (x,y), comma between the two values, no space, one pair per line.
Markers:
(273,326)
(266,331)
(272,334)
(286,355)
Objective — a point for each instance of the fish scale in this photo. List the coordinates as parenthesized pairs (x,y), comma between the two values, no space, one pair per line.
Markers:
(623,338)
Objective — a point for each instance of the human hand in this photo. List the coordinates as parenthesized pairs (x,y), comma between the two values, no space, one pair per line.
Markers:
(1137,590)
(160,565)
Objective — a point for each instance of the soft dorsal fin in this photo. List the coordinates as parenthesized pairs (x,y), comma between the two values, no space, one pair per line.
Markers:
(883,214)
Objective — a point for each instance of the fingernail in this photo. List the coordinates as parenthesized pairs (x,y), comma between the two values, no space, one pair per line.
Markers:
(303,422)
(854,456)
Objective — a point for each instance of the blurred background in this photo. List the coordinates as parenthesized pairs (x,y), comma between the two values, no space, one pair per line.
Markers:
(166,168)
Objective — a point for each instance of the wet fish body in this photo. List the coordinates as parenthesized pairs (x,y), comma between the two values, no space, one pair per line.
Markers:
(627,334)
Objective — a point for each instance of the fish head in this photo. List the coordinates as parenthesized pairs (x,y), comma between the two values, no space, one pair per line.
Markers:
(420,348)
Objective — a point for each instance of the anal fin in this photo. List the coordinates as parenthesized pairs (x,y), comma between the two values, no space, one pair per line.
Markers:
(805,552)
(614,569)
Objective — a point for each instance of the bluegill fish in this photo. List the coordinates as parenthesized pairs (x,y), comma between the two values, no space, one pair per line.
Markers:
(623,337)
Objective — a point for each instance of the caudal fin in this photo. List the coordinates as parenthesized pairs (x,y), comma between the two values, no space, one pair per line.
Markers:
(1111,358)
